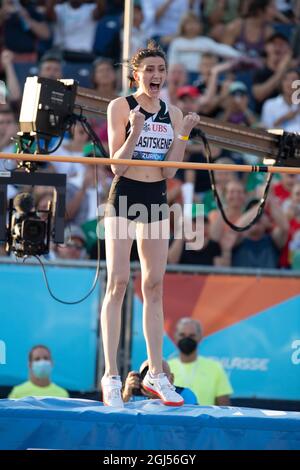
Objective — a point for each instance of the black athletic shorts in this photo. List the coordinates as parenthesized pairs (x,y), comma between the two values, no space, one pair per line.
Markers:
(137,200)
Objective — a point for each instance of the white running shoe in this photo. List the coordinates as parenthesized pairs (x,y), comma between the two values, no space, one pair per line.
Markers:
(111,391)
(161,387)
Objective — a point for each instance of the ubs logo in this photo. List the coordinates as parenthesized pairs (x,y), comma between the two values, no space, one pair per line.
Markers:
(159,128)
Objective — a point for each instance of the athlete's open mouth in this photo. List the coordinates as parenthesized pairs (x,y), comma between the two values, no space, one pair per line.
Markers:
(154,86)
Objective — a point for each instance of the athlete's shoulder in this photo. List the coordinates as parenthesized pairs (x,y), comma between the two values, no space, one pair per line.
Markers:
(118,110)
(118,103)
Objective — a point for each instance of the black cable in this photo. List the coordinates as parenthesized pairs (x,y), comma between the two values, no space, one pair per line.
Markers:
(64,301)
(201,134)
(92,134)
(96,141)
(48,152)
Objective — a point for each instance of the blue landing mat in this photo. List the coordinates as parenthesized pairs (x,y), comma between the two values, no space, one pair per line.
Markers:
(54,423)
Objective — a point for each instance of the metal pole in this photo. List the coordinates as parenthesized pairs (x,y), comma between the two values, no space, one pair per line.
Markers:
(100,354)
(127,327)
(128,17)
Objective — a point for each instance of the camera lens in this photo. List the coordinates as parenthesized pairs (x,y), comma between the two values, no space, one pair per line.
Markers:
(34,230)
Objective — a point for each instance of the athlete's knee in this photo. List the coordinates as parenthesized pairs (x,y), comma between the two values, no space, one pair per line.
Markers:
(153,289)
(116,286)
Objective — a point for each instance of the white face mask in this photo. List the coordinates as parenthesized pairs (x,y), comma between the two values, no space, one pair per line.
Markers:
(41,369)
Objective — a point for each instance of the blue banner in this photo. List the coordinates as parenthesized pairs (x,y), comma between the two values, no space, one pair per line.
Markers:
(29,316)
(261,354)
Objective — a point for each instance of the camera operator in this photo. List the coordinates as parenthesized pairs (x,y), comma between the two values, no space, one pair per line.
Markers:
(133,390)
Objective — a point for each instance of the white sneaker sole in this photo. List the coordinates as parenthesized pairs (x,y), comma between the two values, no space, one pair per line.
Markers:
(167,403)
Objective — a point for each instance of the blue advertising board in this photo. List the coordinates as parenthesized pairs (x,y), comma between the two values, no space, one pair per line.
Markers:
(29,316)
(260,353)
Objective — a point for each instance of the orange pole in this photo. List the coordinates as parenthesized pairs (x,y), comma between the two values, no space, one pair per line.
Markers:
(162,164)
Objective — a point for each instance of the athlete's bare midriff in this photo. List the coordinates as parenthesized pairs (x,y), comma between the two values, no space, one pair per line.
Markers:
(148,175)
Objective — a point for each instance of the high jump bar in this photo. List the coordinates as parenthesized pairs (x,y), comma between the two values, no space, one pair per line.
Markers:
(160,164)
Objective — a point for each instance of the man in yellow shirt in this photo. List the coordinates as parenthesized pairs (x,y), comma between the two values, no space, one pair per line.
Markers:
(205,377)
(39,383)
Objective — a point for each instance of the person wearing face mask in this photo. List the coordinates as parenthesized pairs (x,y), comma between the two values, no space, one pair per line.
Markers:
(39,383)
(205,377)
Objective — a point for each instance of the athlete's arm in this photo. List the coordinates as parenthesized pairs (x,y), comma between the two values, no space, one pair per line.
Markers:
(118,115)
(182,127)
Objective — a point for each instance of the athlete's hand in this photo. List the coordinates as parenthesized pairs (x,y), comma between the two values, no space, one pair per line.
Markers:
(136,119)
(189,122)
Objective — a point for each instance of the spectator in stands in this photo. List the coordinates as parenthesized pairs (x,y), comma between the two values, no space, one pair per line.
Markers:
(295,37)
(208,254)
(72,147)
(104,78)
(134,391)
(93,227)
(92,192)
(81,192)
(222,178)
(267,81)
(22,27)
(205,377)
(294,251)
(291,208)
(75,25)
(249,34)
(107,38)
(210,69)
(283,188)
(74,246)
(200,179)
(8,130)
(284,110)
(39,383)
(13,88)
(259,247)
(82,198)
(162,17)
(189,100)
(177,77)
(114,7)
(105,82)
(187,48)
(77,200)
(218,13)
(234,204)
(236,105)
(50,66)
(290,9)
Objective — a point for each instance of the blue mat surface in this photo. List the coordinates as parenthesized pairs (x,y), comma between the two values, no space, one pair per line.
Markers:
(53,423)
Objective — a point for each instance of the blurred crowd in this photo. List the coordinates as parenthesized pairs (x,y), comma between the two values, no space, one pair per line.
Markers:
(234,60)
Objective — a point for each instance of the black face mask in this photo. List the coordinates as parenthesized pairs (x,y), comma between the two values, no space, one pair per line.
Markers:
(187,345)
